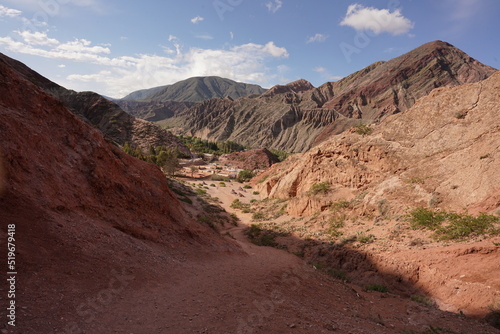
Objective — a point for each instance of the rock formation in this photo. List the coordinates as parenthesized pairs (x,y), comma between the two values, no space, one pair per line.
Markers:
(297,116)
(441,152)
(252,160)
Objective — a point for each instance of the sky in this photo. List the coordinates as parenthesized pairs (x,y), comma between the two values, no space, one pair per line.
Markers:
(114,47)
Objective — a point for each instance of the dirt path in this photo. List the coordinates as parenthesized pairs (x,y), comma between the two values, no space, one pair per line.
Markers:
(264,290)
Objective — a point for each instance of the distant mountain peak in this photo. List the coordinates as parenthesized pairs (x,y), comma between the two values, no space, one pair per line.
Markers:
(196,89)
(300,85)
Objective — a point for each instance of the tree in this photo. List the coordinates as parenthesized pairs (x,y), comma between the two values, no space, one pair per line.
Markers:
(168,161)
(245,175)
(193,169)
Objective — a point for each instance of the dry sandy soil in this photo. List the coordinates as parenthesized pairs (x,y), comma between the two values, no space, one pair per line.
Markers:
(266,290)
(185,290)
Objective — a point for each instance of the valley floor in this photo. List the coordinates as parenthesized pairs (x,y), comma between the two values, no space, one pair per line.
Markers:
(266,290)
(258,290)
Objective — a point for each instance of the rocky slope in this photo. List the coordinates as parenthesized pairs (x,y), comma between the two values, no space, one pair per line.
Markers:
(297,116)
(442,154)
(443,151)
(117,126)
(88,217)
(196,89)
(153,111)
(256,159)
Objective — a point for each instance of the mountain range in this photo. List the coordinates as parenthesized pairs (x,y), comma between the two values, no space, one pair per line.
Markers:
(297,116)
(196,89)
(103,242)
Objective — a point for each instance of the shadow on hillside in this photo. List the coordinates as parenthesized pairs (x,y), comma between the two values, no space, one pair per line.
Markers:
(348,262)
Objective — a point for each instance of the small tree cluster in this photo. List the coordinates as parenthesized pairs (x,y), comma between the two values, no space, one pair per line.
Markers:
(245,175)
(165,158)
(199,145)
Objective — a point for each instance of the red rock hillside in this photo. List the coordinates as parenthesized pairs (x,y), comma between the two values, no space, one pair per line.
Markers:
(85,213)
(252,159)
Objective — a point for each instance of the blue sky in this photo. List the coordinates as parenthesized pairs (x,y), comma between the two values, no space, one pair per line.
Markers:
(114,47)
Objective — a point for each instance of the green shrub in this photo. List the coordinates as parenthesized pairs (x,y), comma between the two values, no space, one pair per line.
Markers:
(423,300)
(365,238)
(363,129)
(234,219)
(457,227)
(258,216)
(334,223)
(376,287)
(207,220)
(462,226)
(320,188)
(256,193)
(245,175)
(425,218)
(339,205)
(260,237)
(237,204)
(200,192)
(216,177)
(177,191)
(186,200)
(338,274)
(247,186)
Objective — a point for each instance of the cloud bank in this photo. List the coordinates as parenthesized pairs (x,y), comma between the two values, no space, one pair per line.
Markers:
(9,12)
(376,20)
(120,75)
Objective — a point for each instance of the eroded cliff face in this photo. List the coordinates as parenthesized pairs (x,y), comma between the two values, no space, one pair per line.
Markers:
(441,152)
(297,116)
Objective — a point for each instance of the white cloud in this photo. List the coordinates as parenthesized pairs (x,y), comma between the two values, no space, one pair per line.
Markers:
(274,6)
(197,19)
(79,50)
(376,20)
(317,38)
(270,48)
(319,69)
(61,66)
(81,46)
(118,76)
(231,35)
(36,38)
(172,38)
(89,77)
(9,12)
